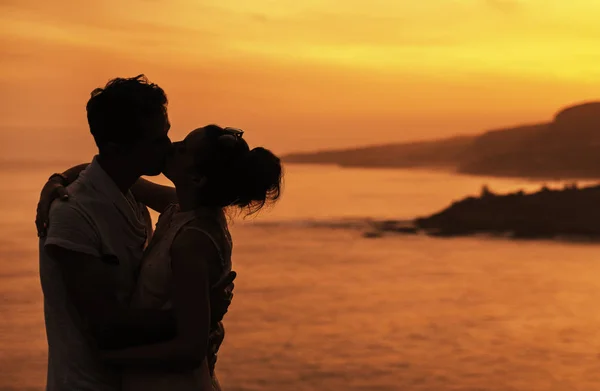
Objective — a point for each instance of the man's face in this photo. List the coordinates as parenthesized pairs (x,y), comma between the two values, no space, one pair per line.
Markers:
(150,154)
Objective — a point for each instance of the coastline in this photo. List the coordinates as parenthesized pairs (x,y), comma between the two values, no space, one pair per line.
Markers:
(568,214)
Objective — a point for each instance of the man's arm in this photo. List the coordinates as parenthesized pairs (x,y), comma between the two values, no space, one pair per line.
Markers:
(155,196)
(89,284)
(89,278)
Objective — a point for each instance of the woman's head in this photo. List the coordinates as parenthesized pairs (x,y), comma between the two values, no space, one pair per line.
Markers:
(218,164)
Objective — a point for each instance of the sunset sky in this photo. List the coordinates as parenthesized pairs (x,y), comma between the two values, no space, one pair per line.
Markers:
(298,75)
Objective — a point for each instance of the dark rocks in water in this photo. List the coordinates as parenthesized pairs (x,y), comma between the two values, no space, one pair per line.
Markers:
(406,227)
(407,230)
(569,212)
(393,226)
(373,234)
(378,228)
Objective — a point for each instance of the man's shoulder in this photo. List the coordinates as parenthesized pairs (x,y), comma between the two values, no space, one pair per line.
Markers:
(79,211)
(71,229)
(82,201)
(69,209)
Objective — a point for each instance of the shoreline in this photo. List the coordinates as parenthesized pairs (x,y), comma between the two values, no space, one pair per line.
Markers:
(456,171)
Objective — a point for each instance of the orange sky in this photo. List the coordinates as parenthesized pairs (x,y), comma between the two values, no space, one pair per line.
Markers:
(298,75)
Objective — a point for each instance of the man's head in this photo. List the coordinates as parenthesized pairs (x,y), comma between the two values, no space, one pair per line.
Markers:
(128,119)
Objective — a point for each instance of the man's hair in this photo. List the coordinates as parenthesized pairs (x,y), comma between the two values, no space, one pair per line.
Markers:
(120,112)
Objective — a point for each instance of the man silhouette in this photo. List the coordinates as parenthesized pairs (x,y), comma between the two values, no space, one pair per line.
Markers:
(91,246)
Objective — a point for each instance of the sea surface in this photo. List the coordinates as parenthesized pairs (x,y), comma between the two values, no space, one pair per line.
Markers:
(320,307)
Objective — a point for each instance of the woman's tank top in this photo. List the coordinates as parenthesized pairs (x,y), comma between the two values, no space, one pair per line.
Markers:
(155,283)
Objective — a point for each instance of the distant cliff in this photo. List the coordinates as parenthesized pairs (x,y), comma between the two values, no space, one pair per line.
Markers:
(438,154)
(567,147)
(570,212)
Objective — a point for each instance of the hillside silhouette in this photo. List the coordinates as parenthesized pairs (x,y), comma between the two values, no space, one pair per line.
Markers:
(437,154)
(568,212)
(566,147)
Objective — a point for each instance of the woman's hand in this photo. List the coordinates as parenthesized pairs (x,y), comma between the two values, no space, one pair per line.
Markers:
(53,189)
(56,187)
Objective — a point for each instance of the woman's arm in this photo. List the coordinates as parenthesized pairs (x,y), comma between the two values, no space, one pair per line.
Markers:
(153,195)
(191,253)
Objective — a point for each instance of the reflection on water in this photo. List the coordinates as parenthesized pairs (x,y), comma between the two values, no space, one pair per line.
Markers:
(324,308)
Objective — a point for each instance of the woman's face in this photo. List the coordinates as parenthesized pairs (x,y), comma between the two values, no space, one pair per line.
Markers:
(180,166)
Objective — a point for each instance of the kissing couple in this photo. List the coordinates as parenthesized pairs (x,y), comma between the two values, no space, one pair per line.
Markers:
(127,307)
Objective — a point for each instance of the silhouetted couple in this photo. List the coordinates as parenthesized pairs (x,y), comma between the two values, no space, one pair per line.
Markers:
(127,308)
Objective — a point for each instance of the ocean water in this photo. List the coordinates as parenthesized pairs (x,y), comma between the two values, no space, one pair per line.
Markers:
(320,307)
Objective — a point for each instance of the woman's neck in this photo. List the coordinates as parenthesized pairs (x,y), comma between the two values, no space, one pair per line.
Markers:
(188,198)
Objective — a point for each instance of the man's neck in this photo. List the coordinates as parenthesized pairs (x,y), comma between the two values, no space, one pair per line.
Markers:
(116,170)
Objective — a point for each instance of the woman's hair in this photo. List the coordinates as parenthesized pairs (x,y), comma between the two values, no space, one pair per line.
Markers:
(237,175)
